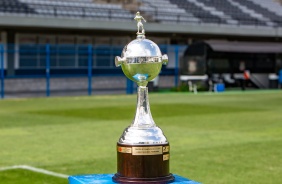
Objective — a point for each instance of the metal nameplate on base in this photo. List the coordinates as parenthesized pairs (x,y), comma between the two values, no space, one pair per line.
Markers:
(144,150)
(152,150)
(124,149)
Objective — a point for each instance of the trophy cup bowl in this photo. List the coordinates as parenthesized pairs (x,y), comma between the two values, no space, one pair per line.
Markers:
(141,60)
(142,149)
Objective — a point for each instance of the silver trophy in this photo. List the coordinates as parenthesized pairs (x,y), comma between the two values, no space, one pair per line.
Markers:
(142,150)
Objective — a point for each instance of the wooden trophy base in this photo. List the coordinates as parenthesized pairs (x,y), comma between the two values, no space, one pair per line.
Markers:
(159,180)
(143,164)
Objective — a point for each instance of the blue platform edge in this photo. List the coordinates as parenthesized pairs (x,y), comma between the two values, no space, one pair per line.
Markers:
(107,179)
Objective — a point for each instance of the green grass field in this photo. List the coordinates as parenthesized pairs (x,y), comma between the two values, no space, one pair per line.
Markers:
(226,138)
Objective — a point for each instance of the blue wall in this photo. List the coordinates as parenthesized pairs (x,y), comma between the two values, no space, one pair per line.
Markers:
(60,60)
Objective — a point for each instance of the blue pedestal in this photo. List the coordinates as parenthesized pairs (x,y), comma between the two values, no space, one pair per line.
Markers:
(107,179)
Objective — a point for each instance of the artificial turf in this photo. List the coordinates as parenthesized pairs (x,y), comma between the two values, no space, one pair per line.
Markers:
(226,138)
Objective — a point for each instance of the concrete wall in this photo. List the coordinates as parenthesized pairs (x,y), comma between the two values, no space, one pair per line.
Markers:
(72,86)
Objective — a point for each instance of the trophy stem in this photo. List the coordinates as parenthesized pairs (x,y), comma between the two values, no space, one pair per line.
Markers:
(143,151)
(143,117)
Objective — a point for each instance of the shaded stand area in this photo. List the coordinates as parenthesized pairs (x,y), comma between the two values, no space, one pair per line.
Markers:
(236,64)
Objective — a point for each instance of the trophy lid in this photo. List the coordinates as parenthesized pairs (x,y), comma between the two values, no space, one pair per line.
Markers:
(141,47)
(141,59)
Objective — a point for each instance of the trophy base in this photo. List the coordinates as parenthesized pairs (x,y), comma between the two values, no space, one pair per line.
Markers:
(159,180)
(143,164)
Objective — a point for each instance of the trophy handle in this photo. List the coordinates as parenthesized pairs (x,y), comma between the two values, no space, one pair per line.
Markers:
(164,59)
(118,61)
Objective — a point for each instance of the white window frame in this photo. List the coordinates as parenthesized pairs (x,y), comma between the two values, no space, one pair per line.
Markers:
(17,42)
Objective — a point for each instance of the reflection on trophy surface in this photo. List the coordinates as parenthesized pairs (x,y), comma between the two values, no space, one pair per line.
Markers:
(142,150)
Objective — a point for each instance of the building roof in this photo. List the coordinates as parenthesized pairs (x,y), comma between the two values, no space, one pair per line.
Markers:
(246,47)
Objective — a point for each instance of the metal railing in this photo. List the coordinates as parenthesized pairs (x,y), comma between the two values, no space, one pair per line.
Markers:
(2,76)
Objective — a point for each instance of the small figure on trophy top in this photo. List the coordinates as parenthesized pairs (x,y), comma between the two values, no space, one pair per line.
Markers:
(139,18)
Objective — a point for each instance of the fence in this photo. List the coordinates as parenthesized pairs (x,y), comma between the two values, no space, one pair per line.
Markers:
(45,70)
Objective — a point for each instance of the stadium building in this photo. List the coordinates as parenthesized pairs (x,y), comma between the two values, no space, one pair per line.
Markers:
(218,36)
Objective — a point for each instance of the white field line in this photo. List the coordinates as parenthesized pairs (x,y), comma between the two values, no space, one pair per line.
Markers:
(34,169)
